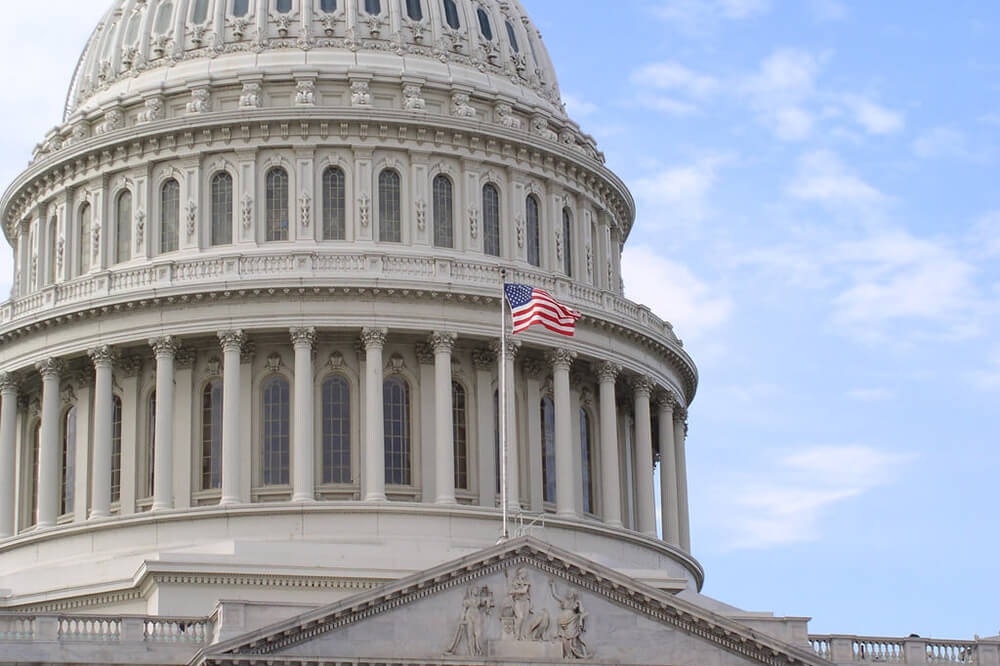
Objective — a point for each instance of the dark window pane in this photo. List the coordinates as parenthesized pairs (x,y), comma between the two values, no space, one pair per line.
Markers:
(484,24)
(491,220)
(222,209)
(451,14)
(275,445)
(283,6)
(123,228)
(396,405)
(328,6)
(277,205)
(512,36)
(389,208)
(200,12)
(336,430)
(68,476)
(414,10)
(587,459)
(567,234)
(373,7)
(170,216)
(116,450)
(211,435)
(444,222)
(460,438)
(534,253)
(84,241)
(241,7)
(334,204)
(548,450)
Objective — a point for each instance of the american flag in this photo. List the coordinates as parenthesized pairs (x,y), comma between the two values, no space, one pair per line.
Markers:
(534,306)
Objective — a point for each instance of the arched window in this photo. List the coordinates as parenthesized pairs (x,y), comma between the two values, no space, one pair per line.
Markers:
(534,240)
(123,228)
(512,37)
(211,435)
(36,439)
(53,243)
(567,234)
(336,430)
(148,462)
(396,410)
(491,220)
(241,7)
(451,14)
(334,204)
(328,6)
(84,245)
(444,213)
(277,204)
(68,462)
(222,209)
(587,460)
(116,449)
(163,18)
(484,24)
(389,208)
(460,437)
(283,6)
(170,216)
(414,10)
(200,12)
(373,7)
(274,451)
(548,450)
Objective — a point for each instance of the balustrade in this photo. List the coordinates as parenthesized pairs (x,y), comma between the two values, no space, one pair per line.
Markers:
(951,652)
(17,628)
(912,650)
(90,628)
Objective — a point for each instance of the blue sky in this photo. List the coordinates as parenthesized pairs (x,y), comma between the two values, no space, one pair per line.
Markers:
(819,217)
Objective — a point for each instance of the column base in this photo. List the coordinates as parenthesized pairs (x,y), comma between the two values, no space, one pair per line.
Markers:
(98,515)
(380,498)
(229,501)
(303,499)
(446,500)
(160,508)
(614,524)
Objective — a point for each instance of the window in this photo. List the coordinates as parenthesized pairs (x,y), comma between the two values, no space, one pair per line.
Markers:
(567,234)
(389,222)
(123,228)
(587,459)
(414,10)
(150,454)
(84,248)
(444,214)
(163,18)
(451,14)
(396,406)
(170,216)
(53,249)
(36,440)
(334,204)
(336,430)
(200,12)
(241,7)
(222,209)
(512,37)
(373,7)
(68,462)
(276,428)
(534,253)
(277,204)
(460,437)
(548,450)
(116,449)
(484,24)
(211,435)
(283,6)
(491,220)
(328,6)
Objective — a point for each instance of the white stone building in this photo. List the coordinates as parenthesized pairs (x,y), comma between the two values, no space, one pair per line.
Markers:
(249,383)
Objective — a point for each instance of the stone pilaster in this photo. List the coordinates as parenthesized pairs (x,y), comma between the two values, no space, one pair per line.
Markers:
(232,343)
(100,504)
(164,349)
(561,361)
(373,489)
(646,514)
(443,343)
(607,375)
(303,451)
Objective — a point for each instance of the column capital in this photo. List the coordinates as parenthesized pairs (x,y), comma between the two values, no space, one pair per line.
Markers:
(166,346)
(424,353)
(9,382)
(442,341)
(374,338)
(665,400)
(232,340)
(643,386)
(303,336)
(560,359)
(681,416)
(102,356)
(484,358)
(50,368)
(513,347)
(607,372)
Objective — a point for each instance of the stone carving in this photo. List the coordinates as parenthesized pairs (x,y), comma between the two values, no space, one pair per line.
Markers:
(424,353)
(519,226)
(80,132)
(165,346)
(396,364)
(442,341)
(303,336)
(102,355)
(561,358)
(248,352)
(505,116)
(273,362)
(374,338)
(185,358)
(360,95)
(642,385)
(571,624)
(559,244)
(130,366)
(96,241)
(305,93)
(513,347)
(461,107)
(364,204)
(540,127)
(232,340)
(476,606)
(199,101)
(607,371)
(329,23)
(336,361)
(113,120)
(251,97)
(247,211)
(590,261)
(129,54)
(67,394)
(9,382)
(191,211)
(160,44)
(198,35)
(484,359)
(153,111)
(284,22)
(412,98)
(213,367)
(240,26)
(421,215)
(474,222)
(518,617)
(140,227)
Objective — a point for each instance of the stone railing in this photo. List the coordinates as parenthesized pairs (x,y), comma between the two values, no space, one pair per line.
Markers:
(21,627)
(911,650)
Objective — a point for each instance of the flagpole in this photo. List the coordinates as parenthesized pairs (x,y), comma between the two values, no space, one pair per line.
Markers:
(503,400)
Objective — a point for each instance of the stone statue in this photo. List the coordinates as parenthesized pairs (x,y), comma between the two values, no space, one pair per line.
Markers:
(478,603)
(571,624)
(522,623)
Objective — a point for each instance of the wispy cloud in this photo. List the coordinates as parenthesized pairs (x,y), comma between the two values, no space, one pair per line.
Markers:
(824,178)
(873,117)
(577,107)
(678,196)
(702,16)
(987,377)
(944,143)
(778,90)
(674,76)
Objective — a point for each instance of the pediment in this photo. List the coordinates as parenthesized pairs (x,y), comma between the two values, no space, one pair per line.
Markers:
(522,601)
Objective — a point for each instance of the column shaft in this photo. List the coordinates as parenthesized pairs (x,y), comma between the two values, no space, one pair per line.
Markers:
(232,344)
(373,490)
(644,459)
(47,484)
(8,444)
(163,444)
(486,363)
(100,503)
(610,475)
(303,450)
(683,518)
(668,476)
(513,464)
(565,481)
(444,417)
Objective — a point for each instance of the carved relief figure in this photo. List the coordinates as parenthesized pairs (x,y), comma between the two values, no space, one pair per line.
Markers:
(571,624)
(360,96)
(199,101)
(461,107)
(305,93)
(412,99)
(478,603)
(153,110)
(251,97)
(506,117)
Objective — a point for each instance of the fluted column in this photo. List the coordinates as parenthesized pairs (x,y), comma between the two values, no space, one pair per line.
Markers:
(48,448)
(444,417)
(373,340)
(100,500)
(607,374)
(561,360)
(303,451)
(164,349)
(644,457)
(485,362)
(513,466)
(668,472)
(232,345)
(680,437)
(8,442)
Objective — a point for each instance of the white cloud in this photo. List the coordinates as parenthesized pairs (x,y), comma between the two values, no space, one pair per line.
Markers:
(871,394)
(678,195)
(986,234)
(700,16)
(942,142)
(675,77)
(779,89)
(876,119)
(792,124)
(577,107)
(829,10)
(667,105)
(673,292)
(822,177)
(987,378)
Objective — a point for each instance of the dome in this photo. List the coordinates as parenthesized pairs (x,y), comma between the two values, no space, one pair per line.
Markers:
(488,44)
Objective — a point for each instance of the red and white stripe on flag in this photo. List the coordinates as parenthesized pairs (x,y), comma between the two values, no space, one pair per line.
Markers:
(531,306)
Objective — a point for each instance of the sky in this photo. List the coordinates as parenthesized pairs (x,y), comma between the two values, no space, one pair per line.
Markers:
(819,217)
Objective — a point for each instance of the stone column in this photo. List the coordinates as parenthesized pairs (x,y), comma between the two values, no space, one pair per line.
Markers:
(303,449)
(444,417)
(668,472)
(164,349)
(485,362)
(680,438)
(513,466)
(48,448)
(8,444)
(533,369)
(607,374)
(373,489)
(561,361)
(232,345)
(100,502)
(644,457)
